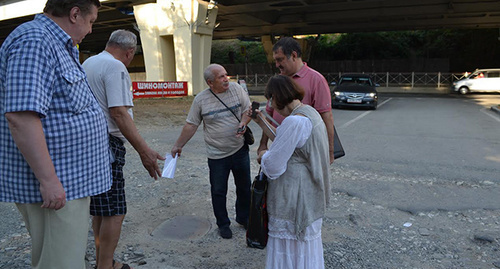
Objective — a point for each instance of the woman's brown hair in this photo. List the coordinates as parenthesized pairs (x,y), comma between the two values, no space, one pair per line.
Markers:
(283,90)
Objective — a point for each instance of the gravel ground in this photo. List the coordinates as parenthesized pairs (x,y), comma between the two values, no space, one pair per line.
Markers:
(356,233)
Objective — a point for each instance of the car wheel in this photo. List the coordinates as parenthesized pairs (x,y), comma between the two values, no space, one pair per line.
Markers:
(463,90)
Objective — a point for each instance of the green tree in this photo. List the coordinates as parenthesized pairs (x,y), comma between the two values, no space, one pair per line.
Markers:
(230,51)
(466,49)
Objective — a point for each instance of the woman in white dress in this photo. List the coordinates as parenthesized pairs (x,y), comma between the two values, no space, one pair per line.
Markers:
(297,165)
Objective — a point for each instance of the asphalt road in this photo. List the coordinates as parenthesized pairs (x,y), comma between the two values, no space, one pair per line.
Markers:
(451,142)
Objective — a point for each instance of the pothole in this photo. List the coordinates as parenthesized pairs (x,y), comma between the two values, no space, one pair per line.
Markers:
(182,228)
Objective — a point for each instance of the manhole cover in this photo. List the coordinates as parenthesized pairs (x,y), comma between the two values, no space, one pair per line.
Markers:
(182,228)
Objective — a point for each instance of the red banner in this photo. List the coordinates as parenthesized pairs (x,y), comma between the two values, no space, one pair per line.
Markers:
(143,89)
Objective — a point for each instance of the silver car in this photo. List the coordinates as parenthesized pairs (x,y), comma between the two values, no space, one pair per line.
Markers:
(481,80)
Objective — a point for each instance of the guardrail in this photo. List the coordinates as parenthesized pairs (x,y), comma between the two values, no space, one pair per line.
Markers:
(387,79)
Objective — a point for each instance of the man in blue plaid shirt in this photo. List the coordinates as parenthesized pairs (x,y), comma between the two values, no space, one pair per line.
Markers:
(54,152)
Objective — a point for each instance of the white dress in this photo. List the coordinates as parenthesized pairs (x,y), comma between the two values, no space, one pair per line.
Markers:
(284,250)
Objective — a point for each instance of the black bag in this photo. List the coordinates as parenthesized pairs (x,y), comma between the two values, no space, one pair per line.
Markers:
(248,135)
(257,231)
(338,150)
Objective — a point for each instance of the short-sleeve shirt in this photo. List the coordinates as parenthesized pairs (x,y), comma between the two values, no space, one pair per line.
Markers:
(40,72)
(111,85)
(219,124)
(317,92)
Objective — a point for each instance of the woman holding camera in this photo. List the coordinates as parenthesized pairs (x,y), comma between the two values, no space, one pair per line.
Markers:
(297,166)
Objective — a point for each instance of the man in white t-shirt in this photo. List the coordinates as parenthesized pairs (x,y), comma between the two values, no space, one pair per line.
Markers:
(110,82)
(226,151)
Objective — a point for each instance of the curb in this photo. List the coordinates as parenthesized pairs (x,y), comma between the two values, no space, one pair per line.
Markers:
(495,109)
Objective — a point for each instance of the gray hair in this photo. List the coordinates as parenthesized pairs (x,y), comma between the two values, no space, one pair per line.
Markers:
(123,39)
(209,72)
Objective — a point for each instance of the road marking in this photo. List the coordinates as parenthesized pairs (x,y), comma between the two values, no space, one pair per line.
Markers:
(484,110)
(362,115)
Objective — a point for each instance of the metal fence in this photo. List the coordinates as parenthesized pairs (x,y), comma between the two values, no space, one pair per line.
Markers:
(388,79)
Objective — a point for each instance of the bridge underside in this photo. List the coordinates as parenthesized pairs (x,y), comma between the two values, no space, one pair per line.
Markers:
(176,35)
(256,18)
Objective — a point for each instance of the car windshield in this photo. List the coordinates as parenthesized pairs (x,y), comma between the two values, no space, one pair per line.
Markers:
(355,80)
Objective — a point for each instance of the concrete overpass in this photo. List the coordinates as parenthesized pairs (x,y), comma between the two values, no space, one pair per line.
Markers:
(176,35)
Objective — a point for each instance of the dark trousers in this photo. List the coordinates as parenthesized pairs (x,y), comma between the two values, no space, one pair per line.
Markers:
(239,165)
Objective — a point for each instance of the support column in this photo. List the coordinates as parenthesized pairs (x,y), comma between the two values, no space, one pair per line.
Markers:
(176,37)
(305,47)
(267,44)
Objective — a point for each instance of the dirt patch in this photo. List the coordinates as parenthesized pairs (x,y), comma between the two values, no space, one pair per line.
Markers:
(166,112)
(160,111)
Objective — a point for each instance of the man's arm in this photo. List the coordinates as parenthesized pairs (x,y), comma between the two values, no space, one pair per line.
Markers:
(187,133)
(328,120)
(267,128)
(264,138)
(127,127)
(268,132)
(27,132)
(263,143)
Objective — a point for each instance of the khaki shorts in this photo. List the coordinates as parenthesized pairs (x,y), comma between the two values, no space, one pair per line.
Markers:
(58,237)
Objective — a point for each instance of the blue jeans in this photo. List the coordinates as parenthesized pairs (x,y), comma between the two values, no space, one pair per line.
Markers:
(239,164)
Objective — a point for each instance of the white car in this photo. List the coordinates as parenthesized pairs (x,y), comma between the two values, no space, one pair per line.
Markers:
(481,80)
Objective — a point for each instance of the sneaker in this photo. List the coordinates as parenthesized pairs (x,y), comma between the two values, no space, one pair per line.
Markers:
(225,232)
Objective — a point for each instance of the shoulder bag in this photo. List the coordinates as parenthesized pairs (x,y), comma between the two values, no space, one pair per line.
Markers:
(248,135)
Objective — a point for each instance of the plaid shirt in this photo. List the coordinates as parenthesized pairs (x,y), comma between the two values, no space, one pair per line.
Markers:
(40,72)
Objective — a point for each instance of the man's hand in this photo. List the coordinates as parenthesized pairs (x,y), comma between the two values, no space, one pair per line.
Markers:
(149,160)
(53,194)
(176,150)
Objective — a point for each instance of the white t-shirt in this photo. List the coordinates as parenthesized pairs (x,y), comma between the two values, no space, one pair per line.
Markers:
(111,85)
(219,124)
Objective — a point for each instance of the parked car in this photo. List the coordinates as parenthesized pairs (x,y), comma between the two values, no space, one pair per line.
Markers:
(481,80)
(355,90)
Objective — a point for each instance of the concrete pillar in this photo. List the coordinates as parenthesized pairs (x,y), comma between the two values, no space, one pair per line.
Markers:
(305,47)
(267,43)
(176,38)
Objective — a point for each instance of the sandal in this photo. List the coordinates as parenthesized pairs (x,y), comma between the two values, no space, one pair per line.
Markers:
(124,266)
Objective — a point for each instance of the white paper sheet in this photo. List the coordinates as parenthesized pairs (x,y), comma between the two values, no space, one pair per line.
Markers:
(169,167)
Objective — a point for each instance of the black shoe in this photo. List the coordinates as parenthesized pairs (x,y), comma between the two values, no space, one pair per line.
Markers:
(225,232)
(244,224)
